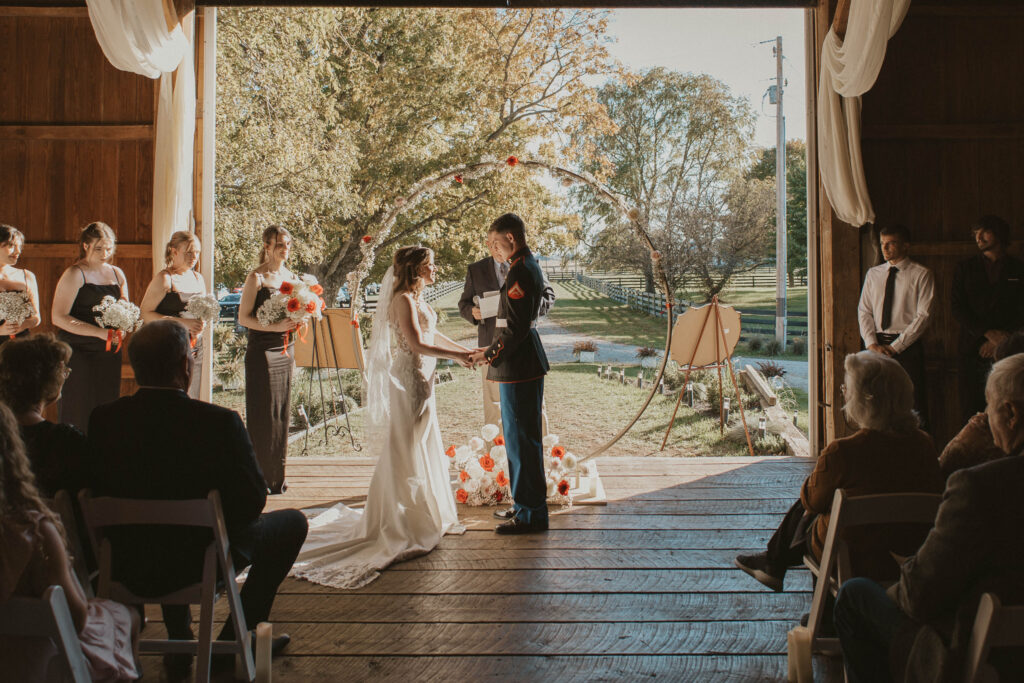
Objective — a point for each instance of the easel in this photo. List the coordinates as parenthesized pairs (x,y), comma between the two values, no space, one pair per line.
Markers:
(720,346)
(324,356)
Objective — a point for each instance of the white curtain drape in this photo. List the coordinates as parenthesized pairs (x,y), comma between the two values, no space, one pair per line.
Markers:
(134,37)
(849,67)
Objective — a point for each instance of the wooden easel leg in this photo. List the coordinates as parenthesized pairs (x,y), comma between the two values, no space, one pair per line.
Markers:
(673,420)
(735,386)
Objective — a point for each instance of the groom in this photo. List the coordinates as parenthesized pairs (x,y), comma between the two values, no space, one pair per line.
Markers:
(518,364)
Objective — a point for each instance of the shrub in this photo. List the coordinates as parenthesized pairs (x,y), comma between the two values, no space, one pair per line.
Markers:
(799,346)
(646,352)
(583,347)
(770,368)
(773,347)
(755,342)
(770,444)
(229,355)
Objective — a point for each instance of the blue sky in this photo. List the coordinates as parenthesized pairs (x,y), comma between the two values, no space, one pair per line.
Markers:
(723,43)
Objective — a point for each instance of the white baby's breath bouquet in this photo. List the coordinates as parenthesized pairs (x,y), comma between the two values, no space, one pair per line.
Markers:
(297,301)
(15,307)
(202,307)
(118,317)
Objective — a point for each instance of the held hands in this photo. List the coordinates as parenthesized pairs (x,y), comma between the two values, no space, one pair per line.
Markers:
(195,327)
(476,358)
(882,349)
(9,328)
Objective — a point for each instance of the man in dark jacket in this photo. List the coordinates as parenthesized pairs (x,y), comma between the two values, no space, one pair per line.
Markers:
(159,444)
(919,631)
(484,279)
(518,363)
(988,302)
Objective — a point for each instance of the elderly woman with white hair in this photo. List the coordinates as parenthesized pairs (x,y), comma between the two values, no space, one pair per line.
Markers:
(888,454)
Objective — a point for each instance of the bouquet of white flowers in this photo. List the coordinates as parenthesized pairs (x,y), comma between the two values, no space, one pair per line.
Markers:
(202,307)
(118,317)
(15,307)
(296,301)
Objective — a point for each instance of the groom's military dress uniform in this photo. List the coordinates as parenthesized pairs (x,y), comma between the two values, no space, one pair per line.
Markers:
(518,362)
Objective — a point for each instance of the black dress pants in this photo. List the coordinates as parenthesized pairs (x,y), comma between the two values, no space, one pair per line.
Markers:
(791,540)
(270,545)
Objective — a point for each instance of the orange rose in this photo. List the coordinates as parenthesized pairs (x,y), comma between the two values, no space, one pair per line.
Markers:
(450,452)
(463,475)
(310,307)
(558,452)
(501,479)
(563,487)
(498,495)
(317,289)
(499,440)
(461,495)
(323,305)
(487,462)
(366,239)
(286,288)
(512,161)
(293,305)
(457,178)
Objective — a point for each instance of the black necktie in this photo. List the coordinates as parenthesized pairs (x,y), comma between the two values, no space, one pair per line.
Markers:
(890,292)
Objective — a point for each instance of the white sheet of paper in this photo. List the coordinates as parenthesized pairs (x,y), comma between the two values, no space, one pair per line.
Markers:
(489,304)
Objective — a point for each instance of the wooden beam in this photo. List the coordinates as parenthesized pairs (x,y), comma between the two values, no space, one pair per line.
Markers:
(842,18)
(944,131)
(129,250)
(112,132)
(45,12)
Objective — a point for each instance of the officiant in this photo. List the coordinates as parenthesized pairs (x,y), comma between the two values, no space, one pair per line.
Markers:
(479,306)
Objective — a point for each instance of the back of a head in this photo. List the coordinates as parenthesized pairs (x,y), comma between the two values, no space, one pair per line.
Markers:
(1006,380)
(157,351)
(32,370)
(879,393)
(18,492)
(510,224)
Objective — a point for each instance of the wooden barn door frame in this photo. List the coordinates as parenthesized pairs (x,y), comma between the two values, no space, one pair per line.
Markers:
(204,165)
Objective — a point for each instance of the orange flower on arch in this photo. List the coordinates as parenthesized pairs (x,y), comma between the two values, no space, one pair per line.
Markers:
(499,440)
(512,161)
(366,239)
(461,495)
(558,452)
(286,288)
(498,495)
(487,462)
(501,479)
(450,452)
(293,305)
(563,487)
(463,475)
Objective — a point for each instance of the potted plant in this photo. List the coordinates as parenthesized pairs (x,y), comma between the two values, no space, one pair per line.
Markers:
(584,351)
(648,356)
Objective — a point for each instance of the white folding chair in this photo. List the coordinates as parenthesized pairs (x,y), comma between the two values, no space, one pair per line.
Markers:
(47,617)
(103,513)
(994,626)
(836,568)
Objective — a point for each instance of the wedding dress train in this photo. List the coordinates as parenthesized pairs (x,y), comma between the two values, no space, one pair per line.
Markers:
(410,504)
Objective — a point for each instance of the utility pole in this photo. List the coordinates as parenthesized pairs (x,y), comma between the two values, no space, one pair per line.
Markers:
(780,201)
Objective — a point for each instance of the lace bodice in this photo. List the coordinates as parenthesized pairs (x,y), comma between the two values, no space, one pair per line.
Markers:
(428,326)
(412,369)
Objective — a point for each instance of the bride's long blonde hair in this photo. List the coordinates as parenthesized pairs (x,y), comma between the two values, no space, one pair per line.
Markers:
(406,263)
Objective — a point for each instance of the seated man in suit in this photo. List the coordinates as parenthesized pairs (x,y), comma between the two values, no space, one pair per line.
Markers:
(919,631)
(160,444)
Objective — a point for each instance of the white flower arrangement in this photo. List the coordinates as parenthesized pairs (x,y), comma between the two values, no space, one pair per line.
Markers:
(297,301)
(481,470)
(15,307)
(202,307)
(118,315)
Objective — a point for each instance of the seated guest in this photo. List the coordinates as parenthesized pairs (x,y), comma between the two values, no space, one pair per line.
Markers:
(974,444)
(33,557)
(919,630)
(889,454)
(32,372)
(161,444)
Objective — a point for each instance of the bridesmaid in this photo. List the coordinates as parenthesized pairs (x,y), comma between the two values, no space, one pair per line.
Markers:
(170,290)
(95,372)
(16,280)
(268,360)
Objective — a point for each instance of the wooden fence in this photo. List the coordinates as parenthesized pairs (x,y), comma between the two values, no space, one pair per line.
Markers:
(430,294)
(761,277)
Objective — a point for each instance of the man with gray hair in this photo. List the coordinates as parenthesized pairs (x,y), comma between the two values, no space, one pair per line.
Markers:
(920,628)
(159,444)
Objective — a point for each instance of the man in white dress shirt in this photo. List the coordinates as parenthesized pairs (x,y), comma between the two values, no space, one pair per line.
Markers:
(894,307)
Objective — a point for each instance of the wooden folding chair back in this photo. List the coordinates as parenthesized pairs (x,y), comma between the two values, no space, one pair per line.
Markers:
(47,617)
(994,626)
(103,513)
(65,509)
(836,563)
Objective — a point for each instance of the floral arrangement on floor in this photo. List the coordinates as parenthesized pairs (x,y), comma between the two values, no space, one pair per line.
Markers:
(15,307)
(482,470)
(119,317)
(202,307)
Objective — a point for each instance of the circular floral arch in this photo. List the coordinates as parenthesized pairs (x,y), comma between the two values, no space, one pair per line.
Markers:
(371,243)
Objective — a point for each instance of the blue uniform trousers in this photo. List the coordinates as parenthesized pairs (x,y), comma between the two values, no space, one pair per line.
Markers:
(521,420)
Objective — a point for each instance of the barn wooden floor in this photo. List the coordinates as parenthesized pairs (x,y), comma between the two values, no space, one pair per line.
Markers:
(641,588)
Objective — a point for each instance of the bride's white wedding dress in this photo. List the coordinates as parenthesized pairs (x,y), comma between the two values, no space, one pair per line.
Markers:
(410,504)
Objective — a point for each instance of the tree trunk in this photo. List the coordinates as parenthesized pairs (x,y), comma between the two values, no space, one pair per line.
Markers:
(649,277)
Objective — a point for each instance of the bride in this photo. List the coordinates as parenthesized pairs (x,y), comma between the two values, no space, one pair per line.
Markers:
(409,505)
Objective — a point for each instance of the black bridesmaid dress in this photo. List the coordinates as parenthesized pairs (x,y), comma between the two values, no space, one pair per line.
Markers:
(268,386)
(95,376)
(173,305)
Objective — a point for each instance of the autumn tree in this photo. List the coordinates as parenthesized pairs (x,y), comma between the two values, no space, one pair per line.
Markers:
(796,201)
(326,118)
(681,145)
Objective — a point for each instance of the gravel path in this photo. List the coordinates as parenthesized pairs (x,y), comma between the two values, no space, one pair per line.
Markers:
(558,343)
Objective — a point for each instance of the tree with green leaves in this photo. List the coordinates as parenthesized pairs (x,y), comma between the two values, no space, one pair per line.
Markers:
(796,202)
(679,155)
(327,117)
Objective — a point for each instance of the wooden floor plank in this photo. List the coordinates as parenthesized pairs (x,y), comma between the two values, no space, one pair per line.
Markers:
(628,522)
(624,540)
(547,558)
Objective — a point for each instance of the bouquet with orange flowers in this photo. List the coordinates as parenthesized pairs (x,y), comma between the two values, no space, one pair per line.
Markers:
(297,300)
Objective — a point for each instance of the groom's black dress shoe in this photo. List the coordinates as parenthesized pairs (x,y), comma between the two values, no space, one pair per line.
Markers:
(517,526)
(505,514)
